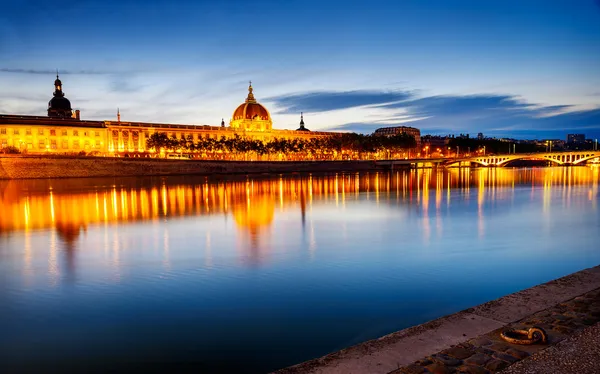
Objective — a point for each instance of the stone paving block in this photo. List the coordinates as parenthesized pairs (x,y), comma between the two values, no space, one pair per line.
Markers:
(469,369)
(438,368)
(458,352)
(505,357)
(517,353)
(496,365)
(424,362)
(499,347)
(445,359)
(479,359)
(486,351)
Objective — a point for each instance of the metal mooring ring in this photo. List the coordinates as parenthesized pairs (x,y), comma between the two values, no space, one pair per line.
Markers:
(531,336)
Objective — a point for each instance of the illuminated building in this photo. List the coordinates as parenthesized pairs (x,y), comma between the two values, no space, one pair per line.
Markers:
(397,130)
(64,132)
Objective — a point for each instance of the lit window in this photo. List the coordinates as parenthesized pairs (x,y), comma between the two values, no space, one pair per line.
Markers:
(42,144)
(65,144)
(53,144)
(97,143)
(97,133)
(3,131)
(29,145)
(87,144)
(53,132)
(75,144)
(75,133)
(41,131)
(63,133)
(85,133)
(27,131)
(16,132)
(4,143)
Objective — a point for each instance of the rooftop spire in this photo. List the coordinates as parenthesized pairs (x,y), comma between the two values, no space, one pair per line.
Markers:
(302,128)
(118,115)
(250,98)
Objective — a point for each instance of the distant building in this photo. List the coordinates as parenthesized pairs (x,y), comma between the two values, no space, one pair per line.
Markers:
(480,136)
(396,130)
(435,142)
(576,138)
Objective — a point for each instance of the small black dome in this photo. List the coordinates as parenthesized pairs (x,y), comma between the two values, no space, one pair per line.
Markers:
(59,106)
(58,102)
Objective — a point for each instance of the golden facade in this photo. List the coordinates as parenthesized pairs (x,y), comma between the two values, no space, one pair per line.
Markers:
(68,134)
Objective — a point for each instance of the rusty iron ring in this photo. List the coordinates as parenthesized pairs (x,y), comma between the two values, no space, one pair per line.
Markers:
(531,336)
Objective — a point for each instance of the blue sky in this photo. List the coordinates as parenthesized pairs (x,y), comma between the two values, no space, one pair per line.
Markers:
(519,68)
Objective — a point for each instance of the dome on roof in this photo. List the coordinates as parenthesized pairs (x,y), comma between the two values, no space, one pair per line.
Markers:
(59,105)
(59,102)
(251,115)
(251,111)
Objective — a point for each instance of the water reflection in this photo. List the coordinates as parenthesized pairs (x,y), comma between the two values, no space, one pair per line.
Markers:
(70,207)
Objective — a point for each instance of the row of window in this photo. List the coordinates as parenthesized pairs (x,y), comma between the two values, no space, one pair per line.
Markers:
(53,132)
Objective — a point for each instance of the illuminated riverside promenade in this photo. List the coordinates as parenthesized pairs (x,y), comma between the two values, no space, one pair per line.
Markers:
(272,271)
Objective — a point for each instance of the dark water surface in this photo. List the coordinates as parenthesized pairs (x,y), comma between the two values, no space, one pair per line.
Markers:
(187,273)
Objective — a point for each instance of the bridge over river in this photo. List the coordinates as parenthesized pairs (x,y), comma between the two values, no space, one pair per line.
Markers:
(557,158)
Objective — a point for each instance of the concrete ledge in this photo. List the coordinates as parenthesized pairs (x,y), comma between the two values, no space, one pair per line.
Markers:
(401,348)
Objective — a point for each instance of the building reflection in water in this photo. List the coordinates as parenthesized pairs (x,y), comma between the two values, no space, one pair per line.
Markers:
(69,207)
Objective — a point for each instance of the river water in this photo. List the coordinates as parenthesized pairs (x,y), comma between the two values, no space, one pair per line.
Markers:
(254,274)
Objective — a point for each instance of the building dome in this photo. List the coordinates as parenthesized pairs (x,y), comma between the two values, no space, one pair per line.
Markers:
(251,115)
(59,105)
(251,111)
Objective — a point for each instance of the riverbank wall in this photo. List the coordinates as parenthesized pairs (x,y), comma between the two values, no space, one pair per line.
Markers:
(32,167)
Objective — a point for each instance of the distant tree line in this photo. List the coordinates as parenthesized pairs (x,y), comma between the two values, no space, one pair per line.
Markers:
(344,145)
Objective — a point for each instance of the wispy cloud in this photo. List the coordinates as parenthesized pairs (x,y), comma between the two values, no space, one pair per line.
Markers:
(441,114)
(123,85)
(331,100)
(47,72)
